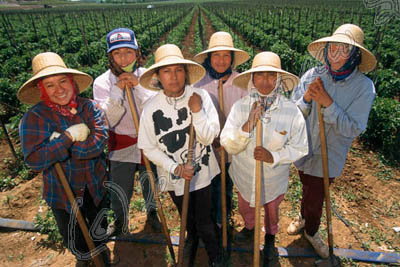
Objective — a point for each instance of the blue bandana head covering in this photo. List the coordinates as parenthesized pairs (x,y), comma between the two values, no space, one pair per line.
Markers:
(352,62)
(213,73)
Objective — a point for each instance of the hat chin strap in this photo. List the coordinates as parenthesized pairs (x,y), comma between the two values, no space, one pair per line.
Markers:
(265,99)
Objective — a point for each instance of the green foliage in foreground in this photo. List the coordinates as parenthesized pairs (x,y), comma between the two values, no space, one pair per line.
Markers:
(16,171)
(48,226)
(383,131)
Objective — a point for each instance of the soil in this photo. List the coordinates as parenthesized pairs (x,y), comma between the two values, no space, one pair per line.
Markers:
(361,195)
(188,41)
(209,29)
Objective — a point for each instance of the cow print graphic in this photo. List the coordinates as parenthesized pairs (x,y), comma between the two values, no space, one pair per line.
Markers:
(175,140)
(182,114)
(206,156)
(161,122)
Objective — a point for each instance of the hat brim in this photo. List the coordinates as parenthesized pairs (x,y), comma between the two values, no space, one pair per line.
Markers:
(289,81)
(316,49)
(134,47)
(195,71)
(240,55)
(29,93)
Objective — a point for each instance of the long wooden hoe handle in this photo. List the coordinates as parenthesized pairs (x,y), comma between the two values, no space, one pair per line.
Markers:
(257,228)
(82,224)
(151,178)
(185,204)
(223,169)
(325,171)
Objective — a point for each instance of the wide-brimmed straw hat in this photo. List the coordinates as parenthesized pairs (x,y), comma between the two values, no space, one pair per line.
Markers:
(46,64)
(221,41)
(170,54)
(347,34)
(267,61)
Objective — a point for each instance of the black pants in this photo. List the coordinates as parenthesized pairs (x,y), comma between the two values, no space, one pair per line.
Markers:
(122,174)
(216,196)
(199,220)
(74,240)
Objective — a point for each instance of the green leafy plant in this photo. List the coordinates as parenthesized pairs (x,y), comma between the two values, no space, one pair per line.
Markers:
(16,171)
(383,130)
(47,225)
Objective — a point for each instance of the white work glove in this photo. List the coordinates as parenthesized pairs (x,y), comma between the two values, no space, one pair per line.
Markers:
(113,110)
(54,135)
(79,132)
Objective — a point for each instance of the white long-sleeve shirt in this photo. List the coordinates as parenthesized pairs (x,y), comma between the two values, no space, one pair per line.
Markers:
(231,94)
(345,119)
(283,134)
(164,138)
(115,105)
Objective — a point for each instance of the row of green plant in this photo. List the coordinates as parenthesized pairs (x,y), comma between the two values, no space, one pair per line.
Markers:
(383,131)
(263,26)
(198,40)
(175,35)
(78,37)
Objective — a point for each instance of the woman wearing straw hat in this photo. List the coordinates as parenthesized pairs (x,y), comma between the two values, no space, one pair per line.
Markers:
(219,60)
(346,96)
(284,141)
(63,127)
(163,136)
(109,91)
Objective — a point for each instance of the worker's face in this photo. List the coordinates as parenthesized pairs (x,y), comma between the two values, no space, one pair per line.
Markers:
(221,60)
(338,54)
(123,56)
(172,78)
(59,89)
(264,81)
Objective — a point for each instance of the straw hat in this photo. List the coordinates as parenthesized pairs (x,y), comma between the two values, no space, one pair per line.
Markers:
(220,41)
(170,54)
(45,64)
(348,34)
(267,61)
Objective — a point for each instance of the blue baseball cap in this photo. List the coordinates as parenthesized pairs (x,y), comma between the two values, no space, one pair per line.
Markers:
(121,37)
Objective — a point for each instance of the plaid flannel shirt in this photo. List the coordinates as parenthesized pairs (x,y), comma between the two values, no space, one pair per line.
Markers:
(83,162)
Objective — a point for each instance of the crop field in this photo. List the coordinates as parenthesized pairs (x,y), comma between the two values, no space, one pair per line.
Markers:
(366,194)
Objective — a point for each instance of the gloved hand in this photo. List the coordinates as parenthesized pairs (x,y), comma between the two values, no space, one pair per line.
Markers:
(54,135)
(79,132)
(114,111)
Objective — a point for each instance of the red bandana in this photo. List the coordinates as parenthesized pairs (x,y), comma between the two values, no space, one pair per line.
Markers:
(68,110)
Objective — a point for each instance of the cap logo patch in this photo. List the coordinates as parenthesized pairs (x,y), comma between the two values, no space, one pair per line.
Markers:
(120,36)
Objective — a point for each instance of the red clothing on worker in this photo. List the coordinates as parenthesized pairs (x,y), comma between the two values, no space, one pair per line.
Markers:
(271,217)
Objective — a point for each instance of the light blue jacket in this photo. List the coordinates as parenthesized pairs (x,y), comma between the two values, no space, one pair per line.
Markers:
(345,119)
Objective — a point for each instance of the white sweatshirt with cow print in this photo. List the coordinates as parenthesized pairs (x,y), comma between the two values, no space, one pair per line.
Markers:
(164,138)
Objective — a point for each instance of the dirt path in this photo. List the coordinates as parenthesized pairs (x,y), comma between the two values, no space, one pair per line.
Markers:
(361,195)
(188,41)
(209,29)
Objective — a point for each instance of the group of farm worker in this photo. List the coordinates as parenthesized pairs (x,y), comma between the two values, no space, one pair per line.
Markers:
(170,96)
